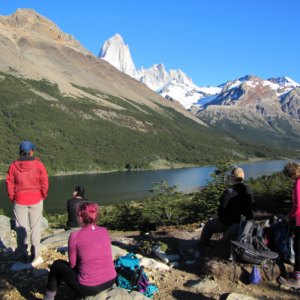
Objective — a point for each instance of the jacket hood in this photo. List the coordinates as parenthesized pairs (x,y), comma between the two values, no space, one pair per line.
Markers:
(25,166)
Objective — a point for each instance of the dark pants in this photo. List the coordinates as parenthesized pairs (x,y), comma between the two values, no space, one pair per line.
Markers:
(211,227)
(297,248)
(61,270)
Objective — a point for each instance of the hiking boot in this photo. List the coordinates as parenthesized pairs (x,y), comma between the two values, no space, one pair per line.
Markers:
(293,281)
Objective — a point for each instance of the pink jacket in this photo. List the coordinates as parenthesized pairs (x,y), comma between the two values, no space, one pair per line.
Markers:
(90,250)
(295,212)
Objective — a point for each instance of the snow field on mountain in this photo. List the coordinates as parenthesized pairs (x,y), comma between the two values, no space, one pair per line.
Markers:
(178,92)
(205,100)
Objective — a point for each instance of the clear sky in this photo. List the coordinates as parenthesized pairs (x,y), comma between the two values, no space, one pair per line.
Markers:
(211,41)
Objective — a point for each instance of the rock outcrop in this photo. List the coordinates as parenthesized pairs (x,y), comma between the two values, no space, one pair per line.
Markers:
(117,53)
(117,294)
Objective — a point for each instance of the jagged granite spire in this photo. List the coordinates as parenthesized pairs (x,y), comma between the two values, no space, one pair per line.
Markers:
(117,54)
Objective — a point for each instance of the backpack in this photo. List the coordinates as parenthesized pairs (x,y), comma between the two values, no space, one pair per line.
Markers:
(251,247)
(131,276)
(283,237)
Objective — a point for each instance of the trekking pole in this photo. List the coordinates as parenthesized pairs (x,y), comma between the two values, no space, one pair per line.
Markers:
(241,225)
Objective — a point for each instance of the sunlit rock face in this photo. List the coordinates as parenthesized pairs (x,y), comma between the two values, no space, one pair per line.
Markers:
(117,54)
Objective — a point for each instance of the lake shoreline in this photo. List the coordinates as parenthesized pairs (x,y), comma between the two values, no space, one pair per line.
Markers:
(165,167)
(111,187)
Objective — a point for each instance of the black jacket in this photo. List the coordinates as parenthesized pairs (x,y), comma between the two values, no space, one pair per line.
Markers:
(72,210)
(235,201)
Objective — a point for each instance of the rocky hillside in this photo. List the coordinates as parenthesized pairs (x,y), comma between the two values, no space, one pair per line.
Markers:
(37,48)
(267,111)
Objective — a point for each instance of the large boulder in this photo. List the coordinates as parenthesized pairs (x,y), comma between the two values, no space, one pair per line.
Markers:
(6,239)
(44,225)
(117,294)
(5,226)
(62,238)
(57,240)
(117,252)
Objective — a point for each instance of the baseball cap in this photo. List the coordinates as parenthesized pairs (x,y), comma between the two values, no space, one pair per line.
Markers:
(27,146)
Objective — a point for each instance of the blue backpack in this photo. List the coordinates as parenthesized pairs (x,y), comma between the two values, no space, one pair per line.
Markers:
(284,239)
(131,276)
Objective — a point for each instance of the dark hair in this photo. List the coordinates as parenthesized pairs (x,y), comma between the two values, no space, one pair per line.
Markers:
(24,153)
(80,191)
(89,213)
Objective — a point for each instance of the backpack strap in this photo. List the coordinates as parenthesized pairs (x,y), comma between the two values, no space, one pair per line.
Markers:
(133,279)
(140,273)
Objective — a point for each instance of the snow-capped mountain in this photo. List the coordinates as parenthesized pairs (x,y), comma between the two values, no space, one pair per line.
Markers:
(156,77)
(285,81)
(174,84)
(117,54)
(266,111)
(248,89)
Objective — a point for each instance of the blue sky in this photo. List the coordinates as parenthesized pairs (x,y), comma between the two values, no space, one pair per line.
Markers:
(211,41)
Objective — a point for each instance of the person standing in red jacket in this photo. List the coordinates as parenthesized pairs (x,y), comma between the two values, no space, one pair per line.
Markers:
(27,186)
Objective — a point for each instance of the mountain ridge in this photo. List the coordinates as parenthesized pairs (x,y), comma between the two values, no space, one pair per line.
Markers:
(174,84)
(84,115)
(62,59)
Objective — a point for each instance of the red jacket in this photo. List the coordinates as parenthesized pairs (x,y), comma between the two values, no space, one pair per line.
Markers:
(27,182)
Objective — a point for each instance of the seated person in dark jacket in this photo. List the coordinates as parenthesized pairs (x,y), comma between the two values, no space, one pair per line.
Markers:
(78,197)
(235,201)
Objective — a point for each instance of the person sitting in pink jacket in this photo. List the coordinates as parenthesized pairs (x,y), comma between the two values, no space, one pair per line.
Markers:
(90,269)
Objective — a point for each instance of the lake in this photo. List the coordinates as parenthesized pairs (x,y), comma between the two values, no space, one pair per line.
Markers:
(107,188)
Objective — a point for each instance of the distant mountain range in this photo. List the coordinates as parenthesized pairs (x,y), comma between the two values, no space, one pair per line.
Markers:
(173,84)
(84,115)
(267,111)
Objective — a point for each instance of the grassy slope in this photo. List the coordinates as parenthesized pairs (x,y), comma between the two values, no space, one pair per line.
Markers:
(286,138)
(70,137)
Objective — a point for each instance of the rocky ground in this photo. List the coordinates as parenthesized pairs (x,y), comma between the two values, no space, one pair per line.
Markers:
(207,277)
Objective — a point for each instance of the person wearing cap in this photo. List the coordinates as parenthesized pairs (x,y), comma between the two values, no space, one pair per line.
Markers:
(27,186)
(234,202)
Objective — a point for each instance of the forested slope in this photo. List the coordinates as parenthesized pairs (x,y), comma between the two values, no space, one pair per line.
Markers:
(82,134)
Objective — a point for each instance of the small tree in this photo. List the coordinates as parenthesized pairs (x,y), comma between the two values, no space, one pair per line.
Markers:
(163,206)
(206,201)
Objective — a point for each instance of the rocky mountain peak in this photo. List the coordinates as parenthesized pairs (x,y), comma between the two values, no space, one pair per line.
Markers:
(29,20)
(117,54)
(286,81)
(23,18)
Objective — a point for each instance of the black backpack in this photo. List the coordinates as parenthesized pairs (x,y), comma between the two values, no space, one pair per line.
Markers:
(251,247)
